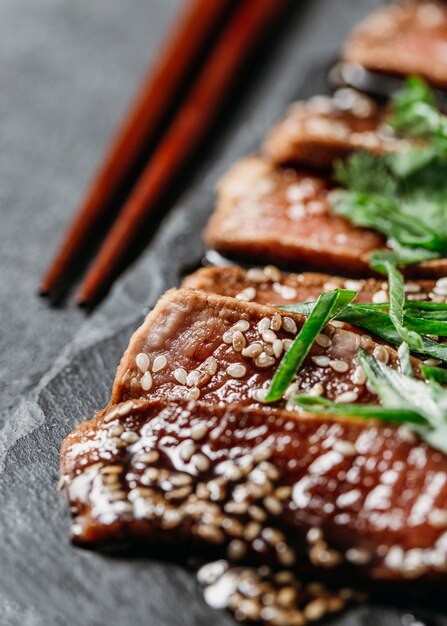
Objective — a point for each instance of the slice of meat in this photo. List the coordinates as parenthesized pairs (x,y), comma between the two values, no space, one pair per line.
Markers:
(199,345)
(268,285)
(403,38)
(356,500)
(270,214)
(318,131)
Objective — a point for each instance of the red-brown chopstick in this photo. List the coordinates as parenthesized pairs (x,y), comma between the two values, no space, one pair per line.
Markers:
(158,91)
(183,136)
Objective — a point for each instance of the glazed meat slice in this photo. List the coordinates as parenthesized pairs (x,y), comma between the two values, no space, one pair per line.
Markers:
(268,214)
(268,285)
(198,345)
(403,38)
(358,500)
(316,132)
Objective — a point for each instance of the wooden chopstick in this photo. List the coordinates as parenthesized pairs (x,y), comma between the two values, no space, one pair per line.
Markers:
(184,135)
(159,89)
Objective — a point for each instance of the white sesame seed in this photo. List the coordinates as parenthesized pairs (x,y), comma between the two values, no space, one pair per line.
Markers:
(346,448)
(316,390)
(236,370)
(236,549)
(264,360)
(247,294)
(354,285)
(260,394)
(180,375)
(314,535)
(146,381)
(268,336)
(210,365)
(192,378)
(347,397)
(256,275)
(323,340)
(438,518)
(194,393)
(273,505)
(315,609)
(160,362)
(239,341)
(263,324)
(289,325)
(130,437)
(380,296)
(412,288)
(277,348)
(201,462)
(210,533)
(198,431)
(227,337)
(187,450)
(358,556)
(276,322)
(339,366)
(321,360)
(272,273)
(241,325)
(441,286)
(142,361)
(253,350)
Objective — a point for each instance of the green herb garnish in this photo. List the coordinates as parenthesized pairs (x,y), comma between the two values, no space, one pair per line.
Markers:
(423,405)
(379,322)
(328,306)
(402,195)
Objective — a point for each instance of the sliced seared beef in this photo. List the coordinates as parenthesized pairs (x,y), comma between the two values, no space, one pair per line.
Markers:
(198,345)
(317,132)
(403,38)
(271,214)
(356,500)
(268,285)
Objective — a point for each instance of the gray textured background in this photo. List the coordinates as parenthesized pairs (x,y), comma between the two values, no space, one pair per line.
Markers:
(67,71)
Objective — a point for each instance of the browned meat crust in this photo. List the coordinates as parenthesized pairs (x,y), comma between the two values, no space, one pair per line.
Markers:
(403,38)
(268,285)
(354,499)
(197,345)
(317,132)
(267,214)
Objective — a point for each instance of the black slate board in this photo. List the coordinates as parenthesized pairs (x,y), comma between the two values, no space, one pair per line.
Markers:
(43,579)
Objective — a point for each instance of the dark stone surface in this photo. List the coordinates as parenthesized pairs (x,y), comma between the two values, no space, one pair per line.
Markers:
(67,70)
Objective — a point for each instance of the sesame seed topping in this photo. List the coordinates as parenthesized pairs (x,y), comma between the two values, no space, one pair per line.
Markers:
(239,341)
(380,296)
(339,366)
(247,294)
(441,287)
(253,350)
(273,505)
(241,325)
(289,325)
(160,362)
(263,324)
(227,337)
(194,393)
(264,360)
(346,448)
(276,322)
(323,340)
(381,354)
(358,556)
(321,360)
(347,397)
(192,378)
(142,361)
(201,462)
(130,437)
(236,370)
(146,381)
(269,336)
(198,431)
(315,610)
(236,549)
(358,376)
(438,518)
(180,375)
